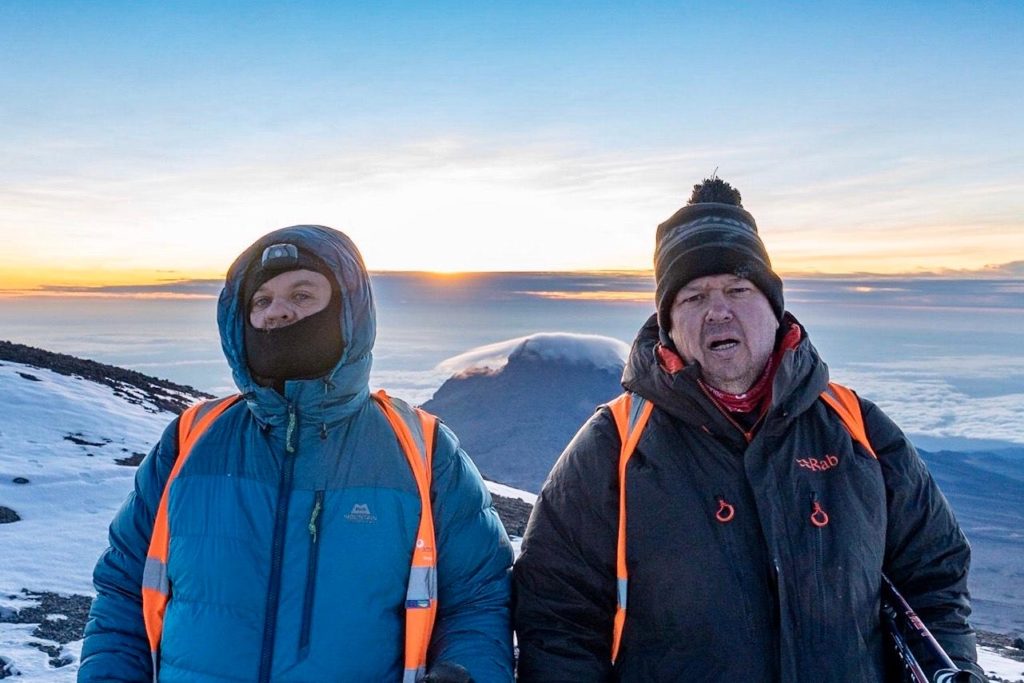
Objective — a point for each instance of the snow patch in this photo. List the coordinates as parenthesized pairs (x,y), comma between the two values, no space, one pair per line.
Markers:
(996,665)
(509,492)
(75,485)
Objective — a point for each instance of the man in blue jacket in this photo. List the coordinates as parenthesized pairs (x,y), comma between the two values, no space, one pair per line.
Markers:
(293,521)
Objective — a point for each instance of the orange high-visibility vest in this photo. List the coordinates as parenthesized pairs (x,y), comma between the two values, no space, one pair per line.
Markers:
(414,430)
(631,413)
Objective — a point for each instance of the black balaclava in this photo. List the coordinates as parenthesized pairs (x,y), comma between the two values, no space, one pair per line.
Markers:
(306,349)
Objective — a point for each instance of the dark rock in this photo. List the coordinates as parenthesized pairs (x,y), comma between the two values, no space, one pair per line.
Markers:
(27,376)
(132,460)
(20,480)
(514,513)
(75,609)
(78,439)
(57,660)
(6,668)
(7,515)
(1018,643)
(128,384)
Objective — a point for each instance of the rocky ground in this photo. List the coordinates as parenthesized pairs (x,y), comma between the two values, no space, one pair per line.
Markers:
(60,619)
(133,386)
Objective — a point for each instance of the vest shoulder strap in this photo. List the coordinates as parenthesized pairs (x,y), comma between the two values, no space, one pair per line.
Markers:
(197,418)
(631,413)
(847,406)
(156,587)
(416,431)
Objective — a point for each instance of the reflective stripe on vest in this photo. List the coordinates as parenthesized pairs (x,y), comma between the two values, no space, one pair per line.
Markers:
(415,430)
(631,413)
(156,588)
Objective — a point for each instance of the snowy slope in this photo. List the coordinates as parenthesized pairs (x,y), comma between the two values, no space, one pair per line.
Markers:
(64,435)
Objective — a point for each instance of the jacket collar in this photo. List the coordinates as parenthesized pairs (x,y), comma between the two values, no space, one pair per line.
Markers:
(661,377)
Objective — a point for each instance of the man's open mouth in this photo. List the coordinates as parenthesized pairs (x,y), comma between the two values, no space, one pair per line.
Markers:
(723,344)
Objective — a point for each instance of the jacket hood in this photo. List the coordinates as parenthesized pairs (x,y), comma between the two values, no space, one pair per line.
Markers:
(800,377)
(344,388)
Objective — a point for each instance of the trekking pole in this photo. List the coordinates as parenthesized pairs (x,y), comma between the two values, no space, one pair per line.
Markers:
(930,664)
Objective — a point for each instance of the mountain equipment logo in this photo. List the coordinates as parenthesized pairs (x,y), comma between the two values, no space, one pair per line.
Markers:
(361,514)
(816,465)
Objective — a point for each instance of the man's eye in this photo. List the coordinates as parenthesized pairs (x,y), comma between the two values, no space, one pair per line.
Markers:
(693,298)
(740,290)
(260,302)
(301,296)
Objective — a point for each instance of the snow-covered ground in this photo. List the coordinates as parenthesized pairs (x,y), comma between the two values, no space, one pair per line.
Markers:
(64,435)
(1003,667)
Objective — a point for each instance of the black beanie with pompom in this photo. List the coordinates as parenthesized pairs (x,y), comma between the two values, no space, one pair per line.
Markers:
(711,235)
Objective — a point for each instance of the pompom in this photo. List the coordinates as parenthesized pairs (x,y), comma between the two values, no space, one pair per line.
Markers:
(714,189)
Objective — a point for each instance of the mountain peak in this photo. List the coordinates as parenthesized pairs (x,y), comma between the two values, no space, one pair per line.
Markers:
(599,352)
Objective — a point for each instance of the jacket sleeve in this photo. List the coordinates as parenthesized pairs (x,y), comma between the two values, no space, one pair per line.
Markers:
(473,627)
(926,554)
(564,579)
(115,646)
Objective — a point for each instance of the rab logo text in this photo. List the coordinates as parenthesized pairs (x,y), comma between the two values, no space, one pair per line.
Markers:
(818,465)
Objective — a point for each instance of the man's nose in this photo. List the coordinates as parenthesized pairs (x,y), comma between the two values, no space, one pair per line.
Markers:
(278,312)
(718,308)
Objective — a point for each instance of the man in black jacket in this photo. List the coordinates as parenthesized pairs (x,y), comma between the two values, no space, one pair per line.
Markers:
(757,527)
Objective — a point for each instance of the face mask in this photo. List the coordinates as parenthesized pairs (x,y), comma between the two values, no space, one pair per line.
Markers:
(306,349)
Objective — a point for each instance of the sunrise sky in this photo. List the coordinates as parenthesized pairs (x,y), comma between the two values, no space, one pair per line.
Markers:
(151,141)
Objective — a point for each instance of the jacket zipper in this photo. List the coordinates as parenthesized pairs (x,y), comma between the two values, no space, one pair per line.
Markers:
(724,514)
(314,554)
(748,434)
(284,490)
(819,563)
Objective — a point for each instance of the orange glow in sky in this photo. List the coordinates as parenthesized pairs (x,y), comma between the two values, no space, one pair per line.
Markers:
(557,140)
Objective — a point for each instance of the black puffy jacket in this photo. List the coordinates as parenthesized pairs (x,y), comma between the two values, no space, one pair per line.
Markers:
(766,596)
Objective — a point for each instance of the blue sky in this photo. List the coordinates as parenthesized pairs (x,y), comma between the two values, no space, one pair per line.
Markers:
(150,140)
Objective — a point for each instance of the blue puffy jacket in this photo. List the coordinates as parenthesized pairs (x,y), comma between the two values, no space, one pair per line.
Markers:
(263,587)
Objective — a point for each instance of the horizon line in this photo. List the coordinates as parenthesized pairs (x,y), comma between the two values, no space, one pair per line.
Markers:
(172,288)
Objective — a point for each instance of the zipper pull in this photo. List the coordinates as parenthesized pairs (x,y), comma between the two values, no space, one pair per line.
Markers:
(819,517)
(725,510)
(314,517)
(289,437)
